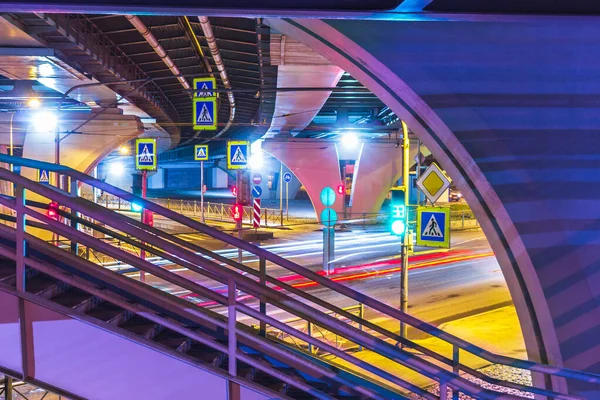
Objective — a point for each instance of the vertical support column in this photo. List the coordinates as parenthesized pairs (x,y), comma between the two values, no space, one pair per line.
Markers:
(8,387)
(455,368)
(262,267)
(74,190)
(405,244)
(20,237)
(21,252)
(231,327)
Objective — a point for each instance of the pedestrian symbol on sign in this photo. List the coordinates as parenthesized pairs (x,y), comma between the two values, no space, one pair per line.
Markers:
(432,228)
(204,116)
(238,156)
(146,156)
(44,176)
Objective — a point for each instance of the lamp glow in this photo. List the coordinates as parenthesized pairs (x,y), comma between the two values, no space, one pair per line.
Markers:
(124,150)
(34,103)
(117,168)
(136,207)
(398,227)
(350,140)
(44,121)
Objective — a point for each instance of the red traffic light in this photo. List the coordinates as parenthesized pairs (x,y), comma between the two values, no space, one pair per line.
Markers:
(52,211)
(234,190)
(341,189)
(237,212)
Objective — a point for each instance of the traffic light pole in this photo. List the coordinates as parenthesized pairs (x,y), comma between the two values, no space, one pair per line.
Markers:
(405,242)
(144,192)
(238,200)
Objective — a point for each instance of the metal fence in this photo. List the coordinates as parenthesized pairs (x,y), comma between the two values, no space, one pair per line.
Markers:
(270,217)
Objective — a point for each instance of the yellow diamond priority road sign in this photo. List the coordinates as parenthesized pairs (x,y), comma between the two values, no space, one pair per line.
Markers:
(433,182)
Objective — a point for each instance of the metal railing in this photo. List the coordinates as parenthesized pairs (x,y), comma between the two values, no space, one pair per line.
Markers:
(265,290)
(313,330)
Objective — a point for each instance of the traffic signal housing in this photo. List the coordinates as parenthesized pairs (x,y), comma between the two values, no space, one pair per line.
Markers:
(341,189)
(237,212)
(52,211)
(398,213)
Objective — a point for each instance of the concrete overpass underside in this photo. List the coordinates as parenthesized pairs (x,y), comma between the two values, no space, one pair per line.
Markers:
(510,109)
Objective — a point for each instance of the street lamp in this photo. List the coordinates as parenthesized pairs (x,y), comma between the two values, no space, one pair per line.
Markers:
(124,150)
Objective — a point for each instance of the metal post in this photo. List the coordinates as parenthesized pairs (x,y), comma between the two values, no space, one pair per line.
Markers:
(344,187)
(20,237)
(455,368)
(361,315)
(238,224)
(418,174)
(287,201)
(144,190)
(262,268)
(404,246)
(74,214)
(443,390)
(231,322)
(281,217)
(309,333)
(266,217)
(281,188)
(11,151)
(8,387)
(201,191)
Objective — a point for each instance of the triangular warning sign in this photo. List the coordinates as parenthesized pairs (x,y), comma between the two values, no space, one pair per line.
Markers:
(204,116)
(44,178)
(201,153)
(432,229)
(146,156)
(238,156)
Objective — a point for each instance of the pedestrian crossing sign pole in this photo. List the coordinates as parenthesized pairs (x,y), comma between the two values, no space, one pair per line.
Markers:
(145,154)
(201,154)
(238,153)
(205,114)
(433,227)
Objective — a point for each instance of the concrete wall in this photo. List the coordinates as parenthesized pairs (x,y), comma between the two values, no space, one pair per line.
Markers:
(509,109)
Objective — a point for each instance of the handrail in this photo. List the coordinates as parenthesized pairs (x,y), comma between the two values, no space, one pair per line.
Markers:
(434,331)
(214,271)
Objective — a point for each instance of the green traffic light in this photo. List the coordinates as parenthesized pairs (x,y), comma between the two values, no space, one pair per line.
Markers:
(398,227)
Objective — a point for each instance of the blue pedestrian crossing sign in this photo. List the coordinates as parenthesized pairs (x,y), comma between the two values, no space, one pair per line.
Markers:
(44,176)
(201,152)
(205,114)
(145,154)
(256,191)
(203,86)
(238,153)
(433,227)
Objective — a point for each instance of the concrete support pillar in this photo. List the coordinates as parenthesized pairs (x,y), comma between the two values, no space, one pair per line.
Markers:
(314,163)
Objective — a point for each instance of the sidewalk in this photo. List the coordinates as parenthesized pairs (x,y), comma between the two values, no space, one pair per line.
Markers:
(498,331)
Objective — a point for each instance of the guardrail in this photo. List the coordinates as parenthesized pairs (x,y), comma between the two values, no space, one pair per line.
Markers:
(263,289)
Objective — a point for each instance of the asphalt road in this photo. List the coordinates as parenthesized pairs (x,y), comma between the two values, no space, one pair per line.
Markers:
(437,294)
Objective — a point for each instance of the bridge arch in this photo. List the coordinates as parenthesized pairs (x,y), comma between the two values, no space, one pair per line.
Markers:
(392,60)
